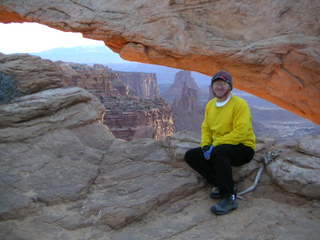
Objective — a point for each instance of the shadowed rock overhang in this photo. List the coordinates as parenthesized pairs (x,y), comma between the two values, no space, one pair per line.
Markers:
(272,48)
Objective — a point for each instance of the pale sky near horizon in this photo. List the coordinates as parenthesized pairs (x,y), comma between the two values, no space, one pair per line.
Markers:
(34,37)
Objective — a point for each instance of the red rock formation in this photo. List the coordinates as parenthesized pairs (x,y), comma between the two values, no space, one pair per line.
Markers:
(127,117)
(97,79)
(182,79)
(143,85)
(131,118)
(270,47)
(187,112)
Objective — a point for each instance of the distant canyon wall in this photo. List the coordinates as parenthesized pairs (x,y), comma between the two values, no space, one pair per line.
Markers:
(175,90)
(132,118)
(270,47)
(133,106)
(184,97)
(103,80)
(143,85)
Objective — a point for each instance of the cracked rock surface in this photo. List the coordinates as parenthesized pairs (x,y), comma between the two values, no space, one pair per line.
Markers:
(64,175)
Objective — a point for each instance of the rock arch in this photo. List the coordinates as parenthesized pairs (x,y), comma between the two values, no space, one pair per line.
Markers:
(272,48)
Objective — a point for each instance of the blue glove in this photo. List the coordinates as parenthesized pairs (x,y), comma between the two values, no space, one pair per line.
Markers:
(207,151)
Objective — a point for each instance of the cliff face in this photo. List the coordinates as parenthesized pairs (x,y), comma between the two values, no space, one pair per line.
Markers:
(128,117)
(183,95)
(187,112)
(181,80)
(143,85)
(97,79)
(131,118)
(270,47)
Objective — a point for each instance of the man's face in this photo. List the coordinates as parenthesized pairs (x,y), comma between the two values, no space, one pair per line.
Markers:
(220,88)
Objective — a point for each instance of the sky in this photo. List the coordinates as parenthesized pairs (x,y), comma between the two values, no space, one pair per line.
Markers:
(34,37)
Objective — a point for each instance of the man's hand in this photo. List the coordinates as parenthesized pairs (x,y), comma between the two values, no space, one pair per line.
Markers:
(207,151)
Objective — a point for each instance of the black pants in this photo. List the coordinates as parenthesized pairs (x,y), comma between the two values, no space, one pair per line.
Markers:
(217,171)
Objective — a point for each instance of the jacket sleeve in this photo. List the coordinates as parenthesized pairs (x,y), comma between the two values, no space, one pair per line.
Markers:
(242,121)
(206,134)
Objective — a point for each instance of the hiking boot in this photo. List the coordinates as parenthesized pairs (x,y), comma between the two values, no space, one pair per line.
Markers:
(215,193)
(225,206)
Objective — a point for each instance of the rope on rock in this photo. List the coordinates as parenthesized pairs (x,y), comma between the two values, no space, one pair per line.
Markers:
(267,159)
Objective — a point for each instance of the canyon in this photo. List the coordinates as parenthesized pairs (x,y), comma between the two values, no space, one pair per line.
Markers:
(133,108)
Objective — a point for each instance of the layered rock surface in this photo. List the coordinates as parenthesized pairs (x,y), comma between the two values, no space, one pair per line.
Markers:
(143,85)
(270,47)
(297,169)
(184,97)
(130,118)
(97,79)
(131,190)
(104,81)
(187,111)
(30,74)
(182,79)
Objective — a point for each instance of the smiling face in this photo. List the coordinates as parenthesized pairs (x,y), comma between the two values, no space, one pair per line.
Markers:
(220,89)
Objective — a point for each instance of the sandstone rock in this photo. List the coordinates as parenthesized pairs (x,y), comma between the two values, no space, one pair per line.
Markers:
(40,172)
(8,89)
(180,142)
(63,167)
(183,79)
(46,137)
(268,46)
(183,95)
(132,118)
(188,217)
(132,179)
(35,114)
(31,74)
(187,112)
(103,81)
(97,79)
(309,145)
(143,85)
(261,219)
(297,173)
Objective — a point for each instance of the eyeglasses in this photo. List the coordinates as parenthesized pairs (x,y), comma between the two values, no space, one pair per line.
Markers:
(220,84)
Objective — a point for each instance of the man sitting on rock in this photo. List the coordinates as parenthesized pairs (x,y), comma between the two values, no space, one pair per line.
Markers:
(227,139)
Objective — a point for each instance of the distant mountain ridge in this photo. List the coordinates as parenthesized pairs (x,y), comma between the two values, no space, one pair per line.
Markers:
(81,54)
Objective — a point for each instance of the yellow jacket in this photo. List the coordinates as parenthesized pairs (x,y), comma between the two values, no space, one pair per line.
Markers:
(229,124)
